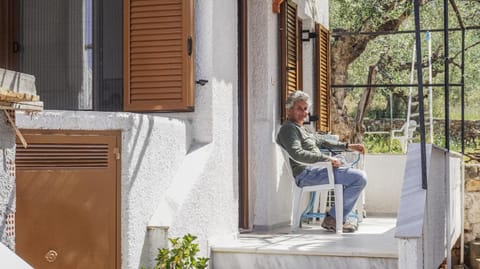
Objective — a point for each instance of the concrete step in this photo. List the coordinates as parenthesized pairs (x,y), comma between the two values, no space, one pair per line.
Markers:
(372,246)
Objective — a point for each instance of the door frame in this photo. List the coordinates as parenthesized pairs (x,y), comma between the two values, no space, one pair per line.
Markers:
(244,210)
(9,21)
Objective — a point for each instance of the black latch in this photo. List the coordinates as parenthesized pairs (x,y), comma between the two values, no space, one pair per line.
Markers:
(202,82)
(15,47)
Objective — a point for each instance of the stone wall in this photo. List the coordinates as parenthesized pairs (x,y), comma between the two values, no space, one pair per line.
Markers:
(472,201)
(472,128)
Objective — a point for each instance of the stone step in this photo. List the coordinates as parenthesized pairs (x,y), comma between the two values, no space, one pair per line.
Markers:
(372,246)
(239,260)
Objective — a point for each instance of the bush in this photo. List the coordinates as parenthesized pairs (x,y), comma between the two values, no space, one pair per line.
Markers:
(181,255)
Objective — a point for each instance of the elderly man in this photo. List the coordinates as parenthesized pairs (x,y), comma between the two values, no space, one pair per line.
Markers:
(304,146)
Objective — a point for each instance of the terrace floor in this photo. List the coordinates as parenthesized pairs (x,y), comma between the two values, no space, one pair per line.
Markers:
(372,246)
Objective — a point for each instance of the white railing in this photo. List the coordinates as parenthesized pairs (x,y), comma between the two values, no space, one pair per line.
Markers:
(429,220)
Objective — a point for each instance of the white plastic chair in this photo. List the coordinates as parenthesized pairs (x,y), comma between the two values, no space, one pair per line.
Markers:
(406,134)
(299,191)
(354,160)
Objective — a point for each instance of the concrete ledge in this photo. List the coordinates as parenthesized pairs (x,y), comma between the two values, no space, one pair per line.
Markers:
(17,82)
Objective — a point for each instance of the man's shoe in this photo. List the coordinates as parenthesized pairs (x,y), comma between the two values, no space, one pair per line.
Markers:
(329,223)
(349,228)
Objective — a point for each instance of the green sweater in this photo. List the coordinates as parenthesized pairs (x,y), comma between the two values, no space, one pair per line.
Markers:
(304,146)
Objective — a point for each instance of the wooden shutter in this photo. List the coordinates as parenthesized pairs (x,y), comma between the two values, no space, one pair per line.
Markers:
(289,43)
(322,78)
(159,55)
(299,54)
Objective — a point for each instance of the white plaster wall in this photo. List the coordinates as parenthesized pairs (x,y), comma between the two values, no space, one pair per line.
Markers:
(410,253)
(385,180)
(154,150)
(7,181)
(270,189)
(178,169)
(269,194)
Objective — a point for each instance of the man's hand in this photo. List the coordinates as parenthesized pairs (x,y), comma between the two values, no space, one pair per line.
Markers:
(335,162)
(357,147)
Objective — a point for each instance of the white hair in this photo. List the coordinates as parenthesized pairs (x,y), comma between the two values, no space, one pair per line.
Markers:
(297,96)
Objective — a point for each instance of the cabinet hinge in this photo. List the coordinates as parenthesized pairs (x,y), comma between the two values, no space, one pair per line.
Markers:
(116,151)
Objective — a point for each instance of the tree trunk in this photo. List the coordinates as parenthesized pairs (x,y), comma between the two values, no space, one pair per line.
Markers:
(345,50)
(362,107)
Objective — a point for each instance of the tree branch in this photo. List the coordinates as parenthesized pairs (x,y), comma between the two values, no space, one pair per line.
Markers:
(437,57)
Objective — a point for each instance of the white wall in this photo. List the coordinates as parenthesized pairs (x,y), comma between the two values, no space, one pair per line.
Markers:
(270,189)
(385,178)
(179,169)
(7,181)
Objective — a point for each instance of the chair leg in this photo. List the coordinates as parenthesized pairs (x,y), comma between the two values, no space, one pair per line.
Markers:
(323,201)
(315,204)
(359,206)
(339,207)
(296,209)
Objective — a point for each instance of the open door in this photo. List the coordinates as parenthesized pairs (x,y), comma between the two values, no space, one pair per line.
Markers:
(8,34)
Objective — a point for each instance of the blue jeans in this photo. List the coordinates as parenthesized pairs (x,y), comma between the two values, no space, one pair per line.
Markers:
(353,181)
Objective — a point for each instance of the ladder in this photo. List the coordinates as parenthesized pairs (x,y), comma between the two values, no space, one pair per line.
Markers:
(414,115)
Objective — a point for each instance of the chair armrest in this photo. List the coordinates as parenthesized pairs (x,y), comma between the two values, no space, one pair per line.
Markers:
(316,164)
(325,164)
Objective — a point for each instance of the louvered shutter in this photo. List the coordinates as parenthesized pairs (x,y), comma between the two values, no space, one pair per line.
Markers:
(62,156)
(299,55)
(159,55)
(289,52)
(322,78)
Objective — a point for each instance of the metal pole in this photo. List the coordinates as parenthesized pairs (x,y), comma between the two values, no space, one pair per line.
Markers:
(463,92)
(447,75)
(430,93)
(391,119)
(392,85)
(338,34)
(410,90)
(462,238)
(421,107)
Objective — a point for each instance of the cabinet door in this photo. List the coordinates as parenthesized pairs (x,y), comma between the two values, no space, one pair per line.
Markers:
(68,200)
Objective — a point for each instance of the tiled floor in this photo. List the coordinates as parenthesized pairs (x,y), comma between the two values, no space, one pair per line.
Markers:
(375,238)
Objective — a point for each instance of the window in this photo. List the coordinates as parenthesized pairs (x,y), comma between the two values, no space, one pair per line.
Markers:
(110,55)
(74,50)
(159,55)
(291,58)
(322,78)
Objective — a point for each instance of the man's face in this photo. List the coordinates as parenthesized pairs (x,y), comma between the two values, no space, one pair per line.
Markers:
(299,112)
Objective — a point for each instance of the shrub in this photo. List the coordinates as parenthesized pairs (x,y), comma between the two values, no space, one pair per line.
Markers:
(181,255)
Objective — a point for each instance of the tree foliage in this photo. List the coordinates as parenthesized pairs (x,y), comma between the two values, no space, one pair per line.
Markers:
(391,56)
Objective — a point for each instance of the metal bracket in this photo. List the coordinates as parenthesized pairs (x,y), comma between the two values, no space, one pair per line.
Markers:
(307,35)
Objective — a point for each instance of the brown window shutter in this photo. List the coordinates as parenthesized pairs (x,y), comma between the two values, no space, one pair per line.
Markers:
(289,42)
(322,78)
(159,55)
(299,54)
